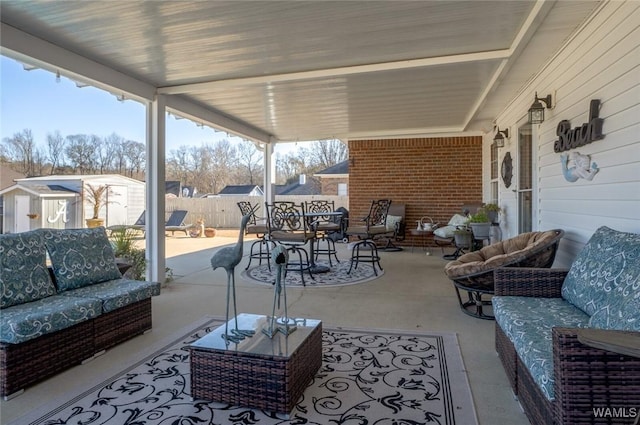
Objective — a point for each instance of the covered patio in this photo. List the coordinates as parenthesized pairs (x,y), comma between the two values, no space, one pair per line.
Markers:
(443,75)
(419,90)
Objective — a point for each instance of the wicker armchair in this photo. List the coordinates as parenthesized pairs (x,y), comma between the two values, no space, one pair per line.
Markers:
(473,272)
(586,378)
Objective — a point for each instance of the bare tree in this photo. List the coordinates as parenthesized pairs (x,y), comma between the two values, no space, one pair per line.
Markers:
(136,157)
(290,166)
(55,150)
(249,163)
(119,147)
(178,164)
(325,153)
(20,149)
(80,153)
(225,157)
(104,153)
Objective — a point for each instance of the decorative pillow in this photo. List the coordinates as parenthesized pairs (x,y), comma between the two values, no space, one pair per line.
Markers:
(391,222)
(445,231)
(23,271)
(81,257)
(605,278)
(458,220)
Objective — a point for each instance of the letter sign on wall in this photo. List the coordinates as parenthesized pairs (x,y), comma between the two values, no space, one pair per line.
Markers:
(588,132)
(575,165)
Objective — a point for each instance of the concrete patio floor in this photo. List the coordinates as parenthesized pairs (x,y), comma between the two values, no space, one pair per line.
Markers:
(412,294)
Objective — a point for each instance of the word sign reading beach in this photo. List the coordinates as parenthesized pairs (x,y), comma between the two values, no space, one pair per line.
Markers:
(588,132)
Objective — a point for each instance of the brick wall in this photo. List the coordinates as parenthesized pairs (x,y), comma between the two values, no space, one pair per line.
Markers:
(330,184)
(431,176)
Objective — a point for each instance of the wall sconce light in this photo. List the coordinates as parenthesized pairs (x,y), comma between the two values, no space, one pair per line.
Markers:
(500,136)
(536,112)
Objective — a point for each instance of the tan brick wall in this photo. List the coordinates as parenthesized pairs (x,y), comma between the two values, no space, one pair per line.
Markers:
(431,176)
(330,185)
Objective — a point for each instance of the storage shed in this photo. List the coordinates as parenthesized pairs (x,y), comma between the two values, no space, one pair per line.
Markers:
(59,201)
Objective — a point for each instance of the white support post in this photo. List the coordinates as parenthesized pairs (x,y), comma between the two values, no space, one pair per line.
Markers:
(155,240)
(269,172)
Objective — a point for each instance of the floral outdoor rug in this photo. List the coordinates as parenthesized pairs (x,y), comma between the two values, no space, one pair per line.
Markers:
(337,275)
(367,377)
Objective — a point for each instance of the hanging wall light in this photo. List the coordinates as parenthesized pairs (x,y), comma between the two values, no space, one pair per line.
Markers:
(500,136)
(536,112)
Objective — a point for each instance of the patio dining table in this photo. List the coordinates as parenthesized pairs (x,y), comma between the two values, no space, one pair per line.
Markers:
(313,267)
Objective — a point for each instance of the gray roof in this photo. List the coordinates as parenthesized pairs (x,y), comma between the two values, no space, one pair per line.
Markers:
(311,187)
(239,189)
(339,168)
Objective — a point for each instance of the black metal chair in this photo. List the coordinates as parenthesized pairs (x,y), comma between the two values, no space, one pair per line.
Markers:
(256,226)
(324,226)
(289,226)
(370,227)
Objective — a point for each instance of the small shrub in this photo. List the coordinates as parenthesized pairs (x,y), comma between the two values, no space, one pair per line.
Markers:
(124,246)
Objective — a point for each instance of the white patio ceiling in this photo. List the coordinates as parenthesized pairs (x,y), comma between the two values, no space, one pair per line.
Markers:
(302,70)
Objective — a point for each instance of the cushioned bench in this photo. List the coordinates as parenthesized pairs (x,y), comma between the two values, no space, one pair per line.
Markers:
(51,321)
(539,314)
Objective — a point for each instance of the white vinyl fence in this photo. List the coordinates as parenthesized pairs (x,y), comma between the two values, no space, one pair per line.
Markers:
(223,212)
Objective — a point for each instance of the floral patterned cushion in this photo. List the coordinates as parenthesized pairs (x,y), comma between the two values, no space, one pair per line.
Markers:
(23,271)
(23,322)
(117,293)
(604,280)
(528,321)
(80,257)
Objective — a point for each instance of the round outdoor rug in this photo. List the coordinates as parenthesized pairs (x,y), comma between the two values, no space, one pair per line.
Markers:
(336,276)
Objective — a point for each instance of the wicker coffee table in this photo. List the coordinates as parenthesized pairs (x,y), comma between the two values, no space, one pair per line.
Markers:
(259,372)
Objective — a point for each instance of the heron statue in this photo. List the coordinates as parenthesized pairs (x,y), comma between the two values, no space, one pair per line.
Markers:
(228,258)
(280,258)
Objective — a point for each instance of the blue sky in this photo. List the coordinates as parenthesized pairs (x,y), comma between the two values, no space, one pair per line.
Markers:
(34,100)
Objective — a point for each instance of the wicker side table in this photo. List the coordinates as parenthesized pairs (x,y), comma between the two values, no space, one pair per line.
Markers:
(259,372)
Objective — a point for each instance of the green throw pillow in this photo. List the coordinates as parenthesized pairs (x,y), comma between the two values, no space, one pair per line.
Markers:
(604,279)
(81,257)
(23,271)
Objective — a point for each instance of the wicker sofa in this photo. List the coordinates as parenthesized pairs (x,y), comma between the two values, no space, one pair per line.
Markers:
(52,318)
(540,315)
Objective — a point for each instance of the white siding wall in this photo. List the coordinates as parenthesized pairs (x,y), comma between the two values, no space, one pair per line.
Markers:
(601,62)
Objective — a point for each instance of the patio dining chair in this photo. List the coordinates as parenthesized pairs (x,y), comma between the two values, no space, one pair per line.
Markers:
(256,226)
(324,226)
(367,231)
(289,226)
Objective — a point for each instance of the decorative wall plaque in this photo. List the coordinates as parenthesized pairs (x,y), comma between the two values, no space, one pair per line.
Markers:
(577,166)
(507,169)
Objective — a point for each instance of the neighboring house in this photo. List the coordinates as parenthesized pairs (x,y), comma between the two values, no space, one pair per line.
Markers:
(304,186)
(241,190)
(335,179)
(7,178)
(58,201)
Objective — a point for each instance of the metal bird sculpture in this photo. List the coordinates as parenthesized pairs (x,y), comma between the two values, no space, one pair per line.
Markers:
(228,258)
(280,258)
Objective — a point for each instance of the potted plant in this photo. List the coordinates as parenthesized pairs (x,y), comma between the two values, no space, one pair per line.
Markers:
(463,237)
(480,224)
(493,211)
(97,196)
